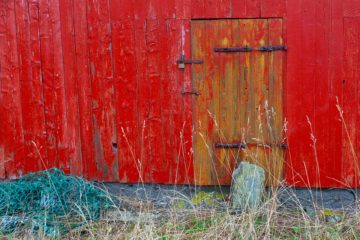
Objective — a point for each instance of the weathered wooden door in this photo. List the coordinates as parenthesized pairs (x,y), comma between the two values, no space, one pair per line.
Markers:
(238,111)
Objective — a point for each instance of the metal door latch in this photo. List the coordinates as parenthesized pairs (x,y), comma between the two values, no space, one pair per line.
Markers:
(182,61)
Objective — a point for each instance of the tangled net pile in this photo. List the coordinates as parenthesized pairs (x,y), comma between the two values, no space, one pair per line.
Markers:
(51,202)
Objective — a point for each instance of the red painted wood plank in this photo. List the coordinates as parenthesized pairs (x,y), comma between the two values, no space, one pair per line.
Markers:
(31,85)
(246,8)
(307,150)
(143,90)
(183,9)
(197,8)
(99,37)
(170,104)
(157,171)
(350,168)
(38,109)
(167,9)
(180,81)
(273,8)
(216,9)
(187,133)
(71,84)
(24,55)
(12,153)
(356,151)
(89,165)
(351,8)
(141,10)
(154,9)
(122,9)
(322,97)
(2,155)
(47,64)
(294,167)
(59,88)
(336,59)
(126,96)
(176,161)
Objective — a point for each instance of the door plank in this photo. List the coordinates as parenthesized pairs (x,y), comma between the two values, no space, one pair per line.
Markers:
(255,131)
(201,164)
(276,98)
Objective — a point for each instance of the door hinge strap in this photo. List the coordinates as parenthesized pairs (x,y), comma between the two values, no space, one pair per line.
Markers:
(272,48)
(230,145)
(249,49)
(243,146)
(233,49)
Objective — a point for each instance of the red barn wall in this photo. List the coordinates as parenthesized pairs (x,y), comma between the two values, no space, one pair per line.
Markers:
(92,87)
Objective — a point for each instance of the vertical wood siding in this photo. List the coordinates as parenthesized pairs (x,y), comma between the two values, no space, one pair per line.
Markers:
(93,87)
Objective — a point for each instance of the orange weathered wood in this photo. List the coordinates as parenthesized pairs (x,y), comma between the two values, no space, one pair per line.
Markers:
(202,167)
(59,60)
(222,96)
(221,84)
(275,109)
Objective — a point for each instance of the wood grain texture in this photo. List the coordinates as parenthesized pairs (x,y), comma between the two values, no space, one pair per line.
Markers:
(350,161)
(47,67)
(71,84)
(126,95)
(88,164)
(102,82)
(221,84)
(336,58)
(31,86)
(73,74)
(13,137)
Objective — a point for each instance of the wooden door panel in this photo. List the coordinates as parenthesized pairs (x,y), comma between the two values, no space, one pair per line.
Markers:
(240,98)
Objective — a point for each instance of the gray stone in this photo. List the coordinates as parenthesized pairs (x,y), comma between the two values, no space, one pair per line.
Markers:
(333,219)
(247,186)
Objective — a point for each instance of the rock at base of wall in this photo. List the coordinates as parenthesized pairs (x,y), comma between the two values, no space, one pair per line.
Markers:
(247,186)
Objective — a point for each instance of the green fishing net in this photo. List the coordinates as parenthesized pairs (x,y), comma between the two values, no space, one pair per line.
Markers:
(50,201)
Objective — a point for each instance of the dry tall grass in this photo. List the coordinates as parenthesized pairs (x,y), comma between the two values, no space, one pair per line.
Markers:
(191,220)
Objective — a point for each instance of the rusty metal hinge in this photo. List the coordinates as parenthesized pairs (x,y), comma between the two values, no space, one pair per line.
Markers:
(230,145)
(243,145)
(234,49)
(272,48)
(182,61)
(249,49)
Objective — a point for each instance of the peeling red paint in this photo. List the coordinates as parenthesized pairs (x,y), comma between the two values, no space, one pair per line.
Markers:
(90,85)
